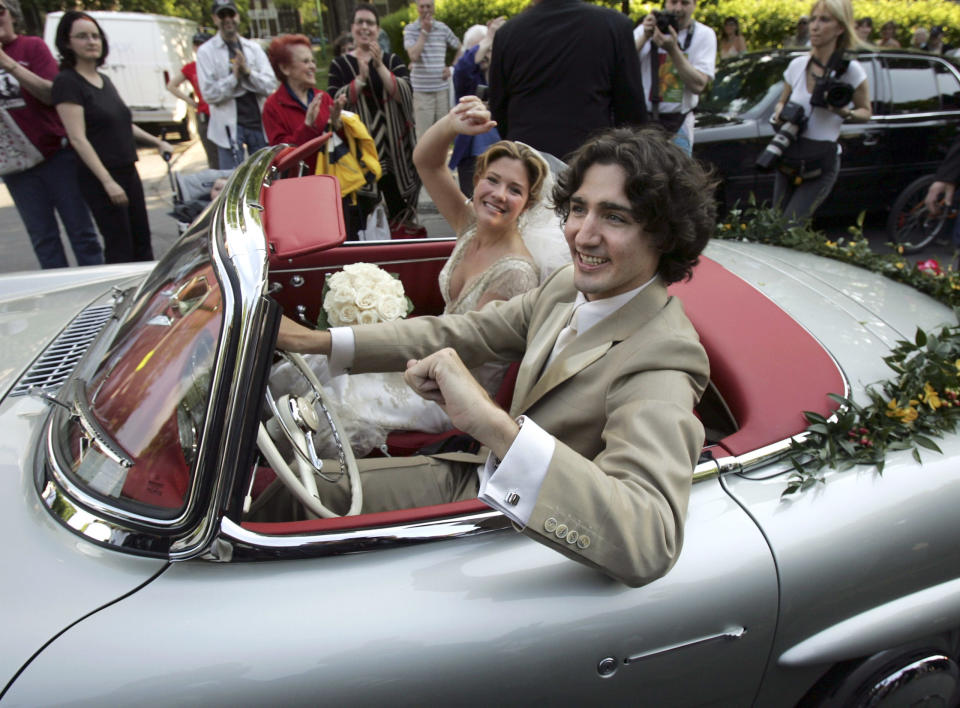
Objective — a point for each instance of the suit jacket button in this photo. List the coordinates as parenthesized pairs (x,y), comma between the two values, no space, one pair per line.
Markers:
(513,499)
(572,536)
(561,531)
(550,524)
(583,543)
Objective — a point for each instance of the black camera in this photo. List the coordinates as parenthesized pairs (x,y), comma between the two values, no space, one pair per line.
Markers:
(666,20)
(793,120)
(827,89)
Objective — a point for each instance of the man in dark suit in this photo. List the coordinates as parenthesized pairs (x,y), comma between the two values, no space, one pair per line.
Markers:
(598,466)
(561,70)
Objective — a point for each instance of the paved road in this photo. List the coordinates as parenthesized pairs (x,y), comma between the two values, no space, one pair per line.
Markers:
(17,255)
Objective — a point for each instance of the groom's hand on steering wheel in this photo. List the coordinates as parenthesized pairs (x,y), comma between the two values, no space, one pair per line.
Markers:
(444,378)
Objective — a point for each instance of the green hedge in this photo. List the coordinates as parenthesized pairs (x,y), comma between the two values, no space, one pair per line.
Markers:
(764,23)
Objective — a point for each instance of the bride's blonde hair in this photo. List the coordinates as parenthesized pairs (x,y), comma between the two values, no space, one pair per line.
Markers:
(532,162)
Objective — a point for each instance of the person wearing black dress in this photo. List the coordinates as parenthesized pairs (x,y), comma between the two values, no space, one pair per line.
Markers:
(99,126)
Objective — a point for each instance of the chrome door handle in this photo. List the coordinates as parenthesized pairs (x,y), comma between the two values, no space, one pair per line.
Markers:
(871,139)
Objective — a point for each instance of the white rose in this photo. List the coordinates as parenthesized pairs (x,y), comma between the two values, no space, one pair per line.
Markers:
(394,287)
(341,296)
(361,271)
(366,298)
(338,280)
(347,314)
(368,317)
(391,308)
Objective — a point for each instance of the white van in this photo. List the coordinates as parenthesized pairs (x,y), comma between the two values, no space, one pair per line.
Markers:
(145,52)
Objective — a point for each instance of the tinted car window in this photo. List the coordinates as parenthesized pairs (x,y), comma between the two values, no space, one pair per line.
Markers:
(742,84)
(913,85)
(949,86)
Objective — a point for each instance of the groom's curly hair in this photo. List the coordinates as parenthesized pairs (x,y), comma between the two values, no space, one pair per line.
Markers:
(671,194)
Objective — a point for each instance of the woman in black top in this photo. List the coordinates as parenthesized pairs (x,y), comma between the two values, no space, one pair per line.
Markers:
(99,127)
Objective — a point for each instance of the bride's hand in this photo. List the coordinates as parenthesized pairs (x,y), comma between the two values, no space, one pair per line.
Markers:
(471,117)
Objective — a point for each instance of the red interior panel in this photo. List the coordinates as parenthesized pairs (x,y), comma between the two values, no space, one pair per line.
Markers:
(302,216)
(418,264)
(767,367)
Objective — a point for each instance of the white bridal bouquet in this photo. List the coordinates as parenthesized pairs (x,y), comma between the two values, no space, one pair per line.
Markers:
(362,293)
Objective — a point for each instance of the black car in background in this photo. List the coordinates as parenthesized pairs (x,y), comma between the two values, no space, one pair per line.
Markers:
(916,115)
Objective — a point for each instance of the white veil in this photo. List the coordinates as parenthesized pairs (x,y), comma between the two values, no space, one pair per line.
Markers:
(540,227)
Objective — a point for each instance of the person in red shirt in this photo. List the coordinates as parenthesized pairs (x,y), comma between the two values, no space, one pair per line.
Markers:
(37,165)
(189,73)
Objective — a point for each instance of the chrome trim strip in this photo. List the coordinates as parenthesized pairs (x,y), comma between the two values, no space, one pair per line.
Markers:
(921,669)
(237,232)
(248,545)
(731,634)
(278,271)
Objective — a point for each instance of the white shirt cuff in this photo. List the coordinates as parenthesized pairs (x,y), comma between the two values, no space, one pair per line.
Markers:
(512,487)
(342,347)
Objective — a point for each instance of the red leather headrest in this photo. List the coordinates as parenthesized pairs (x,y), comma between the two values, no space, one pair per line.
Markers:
(302,215)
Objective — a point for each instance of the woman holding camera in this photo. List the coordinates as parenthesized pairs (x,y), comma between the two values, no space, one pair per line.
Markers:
(812,83)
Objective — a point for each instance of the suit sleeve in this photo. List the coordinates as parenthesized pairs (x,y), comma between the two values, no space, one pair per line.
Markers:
(628,104)
(949,170)
(623,511)
(497,89)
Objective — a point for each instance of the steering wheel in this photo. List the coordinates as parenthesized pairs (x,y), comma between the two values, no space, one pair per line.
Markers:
(298,418)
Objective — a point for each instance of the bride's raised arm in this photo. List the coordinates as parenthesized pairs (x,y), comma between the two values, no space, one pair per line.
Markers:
(469,117)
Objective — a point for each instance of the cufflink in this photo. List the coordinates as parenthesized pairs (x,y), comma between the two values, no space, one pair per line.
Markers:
(513,499)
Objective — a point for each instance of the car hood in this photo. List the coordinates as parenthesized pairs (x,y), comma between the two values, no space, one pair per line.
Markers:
(851,311)
(36,306)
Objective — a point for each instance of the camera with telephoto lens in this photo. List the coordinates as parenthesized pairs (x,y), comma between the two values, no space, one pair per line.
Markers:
(666,20)
(793,120)
(828,90)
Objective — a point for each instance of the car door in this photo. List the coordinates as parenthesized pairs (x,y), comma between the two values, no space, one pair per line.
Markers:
(476,620)
(916,119)
(864,162)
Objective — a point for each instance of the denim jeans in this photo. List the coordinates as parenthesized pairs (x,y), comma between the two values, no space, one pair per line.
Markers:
(37,192)
(253,138)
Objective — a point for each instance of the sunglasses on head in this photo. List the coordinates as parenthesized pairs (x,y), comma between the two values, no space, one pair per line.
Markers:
(226,12)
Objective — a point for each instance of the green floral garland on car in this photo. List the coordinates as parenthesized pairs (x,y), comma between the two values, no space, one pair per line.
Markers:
(920,402)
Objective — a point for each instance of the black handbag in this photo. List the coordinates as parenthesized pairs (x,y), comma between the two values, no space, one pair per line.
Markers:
(807,159)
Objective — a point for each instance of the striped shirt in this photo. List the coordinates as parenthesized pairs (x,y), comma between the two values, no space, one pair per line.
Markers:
(426,75)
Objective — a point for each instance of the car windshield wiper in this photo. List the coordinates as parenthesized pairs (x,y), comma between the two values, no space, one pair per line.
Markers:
(80,411)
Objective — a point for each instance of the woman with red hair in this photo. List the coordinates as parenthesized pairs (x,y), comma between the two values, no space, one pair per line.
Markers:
(297,111)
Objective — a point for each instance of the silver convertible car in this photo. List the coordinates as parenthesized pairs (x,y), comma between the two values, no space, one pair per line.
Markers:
(132,402)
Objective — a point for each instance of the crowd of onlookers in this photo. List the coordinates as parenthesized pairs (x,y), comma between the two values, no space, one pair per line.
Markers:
(559,71)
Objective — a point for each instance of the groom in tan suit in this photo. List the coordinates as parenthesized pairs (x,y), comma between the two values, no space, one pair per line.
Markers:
(595,457)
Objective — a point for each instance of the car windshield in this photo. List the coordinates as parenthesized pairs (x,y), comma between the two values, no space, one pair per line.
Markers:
(138,420)
(745,85)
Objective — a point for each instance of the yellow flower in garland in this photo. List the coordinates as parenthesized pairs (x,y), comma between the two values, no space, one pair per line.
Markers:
(931,397)
(957,364)
(906,415)
(830,244)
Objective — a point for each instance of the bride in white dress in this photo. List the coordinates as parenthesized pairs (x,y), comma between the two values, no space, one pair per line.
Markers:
(492,260)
